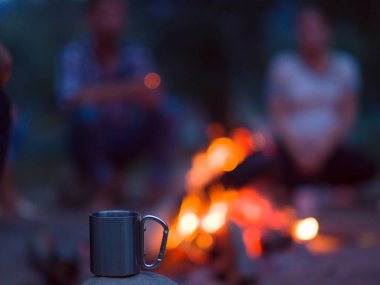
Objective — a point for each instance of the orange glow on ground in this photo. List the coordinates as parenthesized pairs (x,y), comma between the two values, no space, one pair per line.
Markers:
(324,245)
(152,80)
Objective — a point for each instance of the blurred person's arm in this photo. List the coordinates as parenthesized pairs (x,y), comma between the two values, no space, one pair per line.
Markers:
(310,157)
(279,111)
(73,92)
(130,90)
(347,113)
(306,155)
(279,105)
(69,75)
(348,107)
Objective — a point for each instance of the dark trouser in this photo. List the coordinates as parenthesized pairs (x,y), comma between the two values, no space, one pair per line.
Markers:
(101,147)
(345,166)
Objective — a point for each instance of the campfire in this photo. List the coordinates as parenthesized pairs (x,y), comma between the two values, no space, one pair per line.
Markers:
(204,215)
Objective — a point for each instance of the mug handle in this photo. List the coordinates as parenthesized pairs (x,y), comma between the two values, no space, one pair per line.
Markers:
(165,233)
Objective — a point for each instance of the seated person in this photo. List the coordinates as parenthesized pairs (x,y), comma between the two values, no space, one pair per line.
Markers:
(8,201)
(11,203)
(313,101)
(5,106)
(113,115)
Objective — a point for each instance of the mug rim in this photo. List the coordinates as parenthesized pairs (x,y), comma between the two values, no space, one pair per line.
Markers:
(114,214)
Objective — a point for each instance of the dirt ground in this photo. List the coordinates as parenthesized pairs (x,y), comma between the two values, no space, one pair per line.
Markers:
(347,251)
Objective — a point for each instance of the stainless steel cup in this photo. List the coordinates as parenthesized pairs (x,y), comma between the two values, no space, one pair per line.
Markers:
(117,243)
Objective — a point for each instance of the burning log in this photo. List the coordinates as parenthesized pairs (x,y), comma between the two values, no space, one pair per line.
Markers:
(239,267)
(274,241)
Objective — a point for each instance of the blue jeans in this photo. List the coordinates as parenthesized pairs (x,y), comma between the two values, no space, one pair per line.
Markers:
(101,143)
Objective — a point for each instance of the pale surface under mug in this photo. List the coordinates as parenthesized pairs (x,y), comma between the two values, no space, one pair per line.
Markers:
(117,243)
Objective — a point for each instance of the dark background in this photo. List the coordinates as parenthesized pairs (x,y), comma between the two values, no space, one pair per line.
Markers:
(211,54)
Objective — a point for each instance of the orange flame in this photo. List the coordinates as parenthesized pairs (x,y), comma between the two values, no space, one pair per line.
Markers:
(200,217)
(224,155)
(204,241)
(216,218)
(188,223)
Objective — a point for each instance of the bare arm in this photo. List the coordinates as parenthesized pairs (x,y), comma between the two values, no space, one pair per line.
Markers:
(307,158)
(118,90)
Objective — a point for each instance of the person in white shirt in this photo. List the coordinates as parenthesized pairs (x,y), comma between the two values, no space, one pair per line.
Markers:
(312,101)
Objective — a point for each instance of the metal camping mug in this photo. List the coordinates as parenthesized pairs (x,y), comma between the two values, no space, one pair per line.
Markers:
(117,243)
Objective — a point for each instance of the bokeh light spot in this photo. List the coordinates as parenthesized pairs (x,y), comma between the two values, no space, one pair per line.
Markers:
(152,80)
(188,224)
(306,229)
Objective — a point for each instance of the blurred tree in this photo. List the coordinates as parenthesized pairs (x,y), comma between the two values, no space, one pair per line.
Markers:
(211,52)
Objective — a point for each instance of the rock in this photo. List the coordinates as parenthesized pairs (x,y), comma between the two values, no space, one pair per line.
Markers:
(143,278)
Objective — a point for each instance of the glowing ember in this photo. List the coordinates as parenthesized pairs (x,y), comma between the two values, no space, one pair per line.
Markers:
(306,229)
(244,139)
(252,241)
(204,241)
(251,209)
(188,224)
(216,218)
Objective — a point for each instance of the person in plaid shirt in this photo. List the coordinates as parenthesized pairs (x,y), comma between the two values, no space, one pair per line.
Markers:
(114,114)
